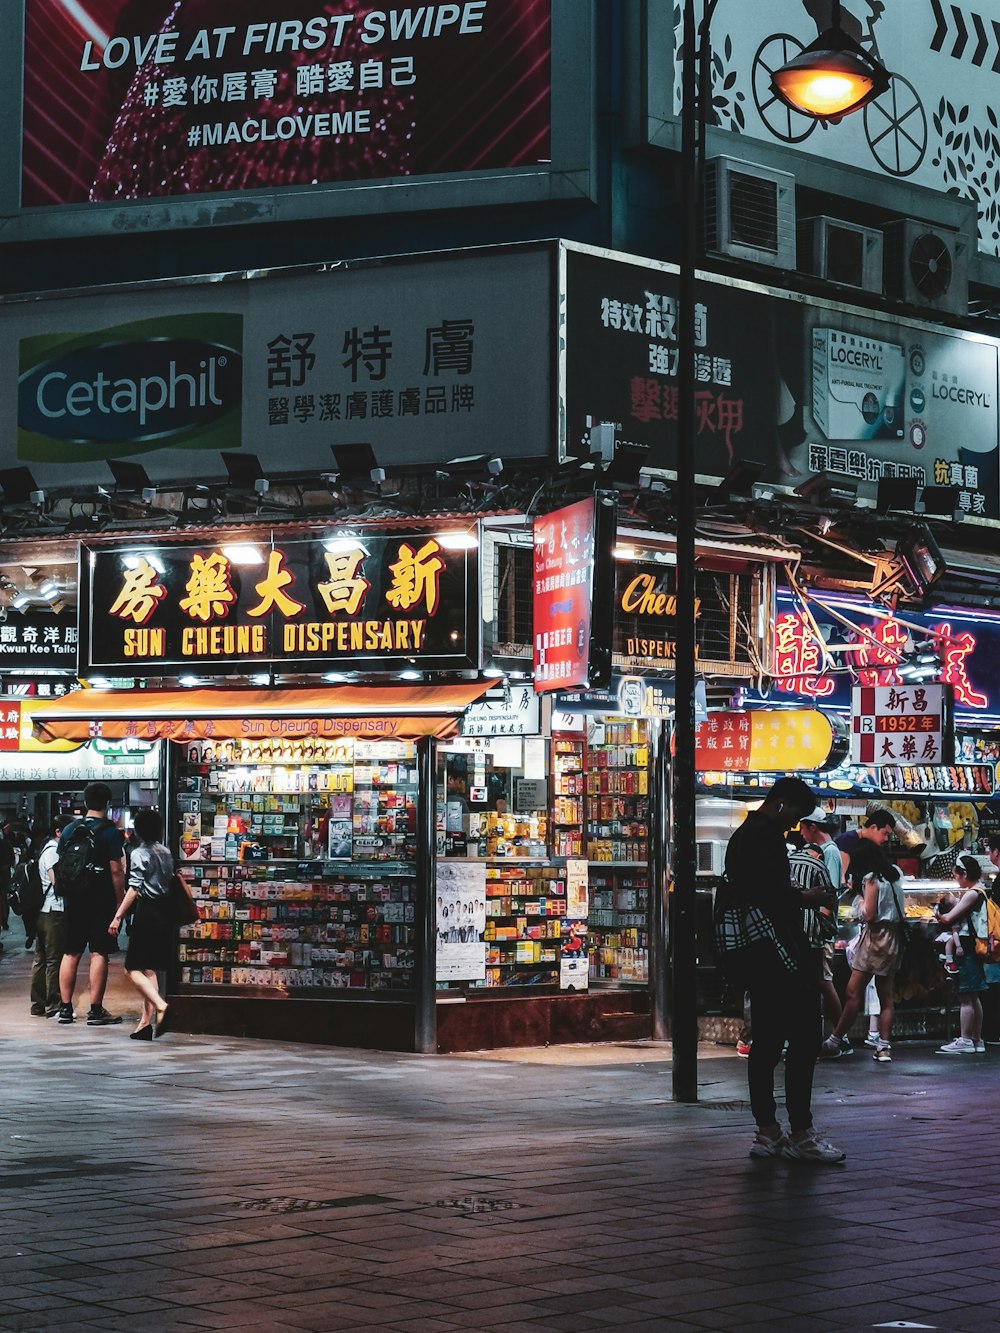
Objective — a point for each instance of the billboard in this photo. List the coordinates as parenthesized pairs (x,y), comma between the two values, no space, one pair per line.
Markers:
(166,102)
(934,127)
(415,357)
(803,388)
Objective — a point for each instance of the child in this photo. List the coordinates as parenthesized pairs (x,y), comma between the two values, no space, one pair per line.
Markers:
(949,938)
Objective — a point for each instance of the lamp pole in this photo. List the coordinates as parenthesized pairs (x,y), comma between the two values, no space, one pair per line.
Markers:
(832,77)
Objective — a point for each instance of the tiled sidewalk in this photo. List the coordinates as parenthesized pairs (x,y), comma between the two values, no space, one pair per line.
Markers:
(201,1184)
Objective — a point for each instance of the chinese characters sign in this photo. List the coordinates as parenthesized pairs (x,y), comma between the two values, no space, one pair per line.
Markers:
(563,583)
(776,741)
(10,724)
(31,641)
(416,358)
(161,99)
(361,602)
(646,615)
(895,724)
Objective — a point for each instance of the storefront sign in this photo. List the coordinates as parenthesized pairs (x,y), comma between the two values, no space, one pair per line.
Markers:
(365,601)
(869,398)
(563,586)
(31,641)
(510,711)
(38,687)
(81,765)
(875,646)
(761,741)
(896,724)
(416,358)
(10,724)
(165,100)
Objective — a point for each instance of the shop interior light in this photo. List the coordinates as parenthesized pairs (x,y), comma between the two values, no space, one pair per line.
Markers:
(335,677)
(242,553)
(410,674)
(261,680)
(133,559)
(21,600)
(494,672)
(831,77)
(341,545)
(189,682)
(99,682)
(625,553)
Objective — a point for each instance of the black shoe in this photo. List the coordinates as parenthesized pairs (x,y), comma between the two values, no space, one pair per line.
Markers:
(142,1034)
(162,1022)
(65,1014)
(100,1018)
(29,941)
(37,1011)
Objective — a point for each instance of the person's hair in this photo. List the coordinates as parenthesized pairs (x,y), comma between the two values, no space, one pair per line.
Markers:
(59,823)
(881,819)
(148,826)
(795,840)
(97,796)
(993,842)
(794,793)
(969,867)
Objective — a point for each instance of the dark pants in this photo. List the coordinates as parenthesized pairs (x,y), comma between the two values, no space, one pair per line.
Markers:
(48,956)
(785,1007)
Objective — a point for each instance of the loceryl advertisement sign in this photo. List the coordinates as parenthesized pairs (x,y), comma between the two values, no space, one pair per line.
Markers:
(415,357)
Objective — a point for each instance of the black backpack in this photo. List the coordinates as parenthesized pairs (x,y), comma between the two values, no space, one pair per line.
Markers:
(27,883)
(75,872)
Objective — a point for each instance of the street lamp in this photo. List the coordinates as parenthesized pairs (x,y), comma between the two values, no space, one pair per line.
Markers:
(847,79)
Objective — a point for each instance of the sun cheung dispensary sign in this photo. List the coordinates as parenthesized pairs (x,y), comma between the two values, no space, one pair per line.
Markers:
(363,602)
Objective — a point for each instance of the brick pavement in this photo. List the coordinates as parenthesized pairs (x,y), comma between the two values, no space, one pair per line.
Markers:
(195,1183)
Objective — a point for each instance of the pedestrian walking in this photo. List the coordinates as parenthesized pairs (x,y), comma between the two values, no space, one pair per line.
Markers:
(91,906)
(968,916)
(150,937)
(879,946)
(780,972)
(816,833)
(48,931)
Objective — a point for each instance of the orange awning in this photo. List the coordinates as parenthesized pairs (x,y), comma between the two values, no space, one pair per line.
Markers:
(369,712)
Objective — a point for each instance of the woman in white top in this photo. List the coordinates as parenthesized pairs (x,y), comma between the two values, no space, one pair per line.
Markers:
(968,917)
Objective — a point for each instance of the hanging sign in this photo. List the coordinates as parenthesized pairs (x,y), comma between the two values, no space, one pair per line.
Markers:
(510,711)
(767,741)
(29,642)
(563,588)
(362,601)
(893,724)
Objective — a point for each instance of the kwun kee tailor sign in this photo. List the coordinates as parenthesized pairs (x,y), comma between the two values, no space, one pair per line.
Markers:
(361,602)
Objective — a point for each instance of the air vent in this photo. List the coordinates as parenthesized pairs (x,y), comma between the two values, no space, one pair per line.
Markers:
(750,212)
(841,252)
(926,265)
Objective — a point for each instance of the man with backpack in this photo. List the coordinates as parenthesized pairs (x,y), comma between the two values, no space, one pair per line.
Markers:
(90,878)
(45,999)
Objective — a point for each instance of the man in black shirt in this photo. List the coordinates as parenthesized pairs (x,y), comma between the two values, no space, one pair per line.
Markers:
(782,976)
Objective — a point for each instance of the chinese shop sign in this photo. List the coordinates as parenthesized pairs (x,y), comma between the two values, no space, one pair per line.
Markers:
(902,724)
(563,585)
(31,641)
(10,724)
(162,99)
(415,358)
(968,646)
(776,741)
(365,603)
(802,388)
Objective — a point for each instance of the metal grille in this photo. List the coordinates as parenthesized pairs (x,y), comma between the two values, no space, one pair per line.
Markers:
(726,616)
(513,594)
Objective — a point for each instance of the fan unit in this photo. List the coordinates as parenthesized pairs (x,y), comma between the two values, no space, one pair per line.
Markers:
(842,252)
(927,265)
(750,212)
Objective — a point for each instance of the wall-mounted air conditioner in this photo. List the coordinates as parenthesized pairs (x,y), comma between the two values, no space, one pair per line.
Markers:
(710,858)
(841,252)
(750,212)
(927,265)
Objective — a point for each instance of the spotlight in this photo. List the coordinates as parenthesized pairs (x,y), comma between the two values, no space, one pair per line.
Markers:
(244,470)
(356,461)
(742,477)
(895,493)
(20,487)
(132,477)
(941,501)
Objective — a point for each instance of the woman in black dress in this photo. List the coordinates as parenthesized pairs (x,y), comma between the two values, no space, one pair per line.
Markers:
(151,869)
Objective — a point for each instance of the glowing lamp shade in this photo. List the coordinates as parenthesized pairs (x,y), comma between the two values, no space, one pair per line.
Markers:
(830,78)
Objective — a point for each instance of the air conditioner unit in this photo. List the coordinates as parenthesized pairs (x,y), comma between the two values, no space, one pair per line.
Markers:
(750,212)
(927,265)
(841,252)
(710,857)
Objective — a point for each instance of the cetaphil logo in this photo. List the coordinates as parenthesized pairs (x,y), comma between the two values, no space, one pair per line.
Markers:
(162,384)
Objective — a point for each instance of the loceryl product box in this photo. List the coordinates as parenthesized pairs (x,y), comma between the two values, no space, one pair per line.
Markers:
(858,386)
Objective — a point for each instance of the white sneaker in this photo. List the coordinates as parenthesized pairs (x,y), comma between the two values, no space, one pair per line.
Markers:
(872,1039)
(960,1046)
(811,1148)
(764,1146)
(980,1047)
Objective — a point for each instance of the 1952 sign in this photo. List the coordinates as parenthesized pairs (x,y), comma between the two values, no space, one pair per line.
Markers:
(359,601)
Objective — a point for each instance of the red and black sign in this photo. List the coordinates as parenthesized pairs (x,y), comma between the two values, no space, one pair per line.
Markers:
(360,602)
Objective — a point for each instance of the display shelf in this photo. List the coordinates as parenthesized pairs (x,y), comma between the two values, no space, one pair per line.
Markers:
(305,883)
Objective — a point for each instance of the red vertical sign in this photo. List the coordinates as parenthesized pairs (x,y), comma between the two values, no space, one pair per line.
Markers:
(563,581)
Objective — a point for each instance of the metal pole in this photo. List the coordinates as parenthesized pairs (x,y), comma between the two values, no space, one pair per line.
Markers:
(425,926)
(683,934)
(659,974)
